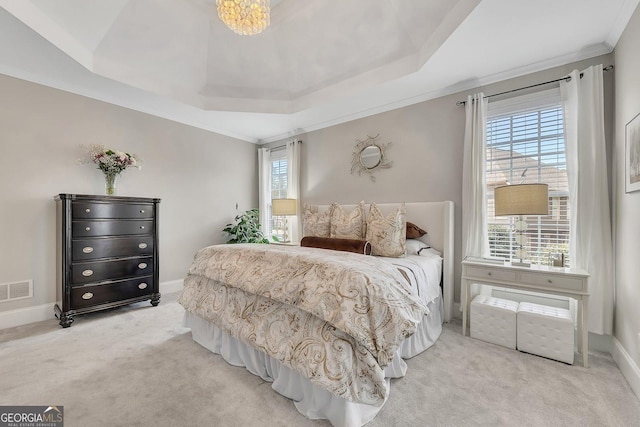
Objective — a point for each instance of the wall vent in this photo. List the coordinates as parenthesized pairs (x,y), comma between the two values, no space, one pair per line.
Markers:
(16,290)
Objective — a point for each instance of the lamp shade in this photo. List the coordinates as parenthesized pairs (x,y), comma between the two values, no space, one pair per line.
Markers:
(282,207)
(522,199)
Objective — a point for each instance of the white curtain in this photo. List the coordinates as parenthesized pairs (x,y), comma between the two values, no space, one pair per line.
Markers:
(293,187)
(475,241)
(590,246)
(264,188)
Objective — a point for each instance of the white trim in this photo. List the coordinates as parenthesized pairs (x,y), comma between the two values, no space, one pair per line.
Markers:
(598,50)
(50,30)
(601,343)
(627,366)
(457,310)
(24,316)
(521,103)
(39,313)
(172,286)
(625,14)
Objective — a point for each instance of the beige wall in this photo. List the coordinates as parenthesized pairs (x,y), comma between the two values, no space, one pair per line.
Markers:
(426,150)
(199,175)
(627,212)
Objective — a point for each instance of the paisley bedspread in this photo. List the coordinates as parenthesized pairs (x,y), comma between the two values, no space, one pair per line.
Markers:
(335,317)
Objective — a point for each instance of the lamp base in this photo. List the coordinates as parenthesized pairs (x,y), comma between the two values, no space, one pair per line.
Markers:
(285,231)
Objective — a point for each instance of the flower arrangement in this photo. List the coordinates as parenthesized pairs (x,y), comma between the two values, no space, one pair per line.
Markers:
(112,163)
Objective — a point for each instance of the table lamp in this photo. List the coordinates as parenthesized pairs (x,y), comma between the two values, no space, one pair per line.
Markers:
(284,208)
(520,200)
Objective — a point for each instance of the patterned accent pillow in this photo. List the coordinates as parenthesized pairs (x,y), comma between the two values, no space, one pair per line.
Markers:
(388,236)
(315,223)
(352,225)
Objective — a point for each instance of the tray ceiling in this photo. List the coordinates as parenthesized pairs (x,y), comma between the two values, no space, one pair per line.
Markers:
(318,63)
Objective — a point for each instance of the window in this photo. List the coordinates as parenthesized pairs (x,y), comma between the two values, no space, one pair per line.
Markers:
(278,189)
(525,144)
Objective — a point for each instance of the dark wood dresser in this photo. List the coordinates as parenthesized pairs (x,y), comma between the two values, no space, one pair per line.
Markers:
(107,253)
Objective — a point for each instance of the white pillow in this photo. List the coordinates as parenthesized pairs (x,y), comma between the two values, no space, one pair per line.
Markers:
(416,247)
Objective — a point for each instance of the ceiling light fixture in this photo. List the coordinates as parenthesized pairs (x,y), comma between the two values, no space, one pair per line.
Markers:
(245,17)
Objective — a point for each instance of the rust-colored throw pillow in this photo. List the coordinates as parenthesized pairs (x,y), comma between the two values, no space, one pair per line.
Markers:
(414,232)
(346,245)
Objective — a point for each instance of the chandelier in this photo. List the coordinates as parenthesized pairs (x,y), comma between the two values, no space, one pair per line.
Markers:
(245,17)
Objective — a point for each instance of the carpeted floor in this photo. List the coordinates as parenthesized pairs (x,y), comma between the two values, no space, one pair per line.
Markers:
(136,366)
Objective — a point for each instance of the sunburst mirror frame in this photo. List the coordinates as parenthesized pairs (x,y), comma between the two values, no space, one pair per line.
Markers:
(357,163)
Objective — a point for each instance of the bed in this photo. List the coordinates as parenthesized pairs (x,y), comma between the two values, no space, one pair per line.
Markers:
(335,363)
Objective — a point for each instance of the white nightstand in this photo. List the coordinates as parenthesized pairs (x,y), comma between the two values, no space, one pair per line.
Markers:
(567,282)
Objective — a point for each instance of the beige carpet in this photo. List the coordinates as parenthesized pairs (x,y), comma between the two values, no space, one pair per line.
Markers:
(136,366)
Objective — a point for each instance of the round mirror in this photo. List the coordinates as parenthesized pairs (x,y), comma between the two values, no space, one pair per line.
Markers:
(370,156)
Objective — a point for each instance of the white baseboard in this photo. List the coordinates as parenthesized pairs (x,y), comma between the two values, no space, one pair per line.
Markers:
(602,343)
(24,316)
(627,366)
(457,310)
(172,286)
(38,313)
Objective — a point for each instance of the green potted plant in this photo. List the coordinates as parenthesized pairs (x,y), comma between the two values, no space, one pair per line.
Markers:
(246,228)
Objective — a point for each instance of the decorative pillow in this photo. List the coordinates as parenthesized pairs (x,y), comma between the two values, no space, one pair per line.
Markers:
(387,235)
(347,245)
(416,247)
(413,231)
(350,225)
(314,223)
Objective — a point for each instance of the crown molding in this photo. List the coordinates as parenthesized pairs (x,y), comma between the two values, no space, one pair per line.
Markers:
(592,52)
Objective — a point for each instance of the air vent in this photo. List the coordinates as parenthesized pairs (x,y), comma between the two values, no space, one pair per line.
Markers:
(16,290)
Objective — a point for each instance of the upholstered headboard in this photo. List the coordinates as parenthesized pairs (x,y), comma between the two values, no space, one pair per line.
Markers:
(438,220)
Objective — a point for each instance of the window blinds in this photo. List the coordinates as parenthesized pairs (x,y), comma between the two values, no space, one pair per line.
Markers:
(527,146)
(278,189)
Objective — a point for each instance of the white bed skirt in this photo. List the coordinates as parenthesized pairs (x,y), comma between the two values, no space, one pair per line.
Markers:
(311,400)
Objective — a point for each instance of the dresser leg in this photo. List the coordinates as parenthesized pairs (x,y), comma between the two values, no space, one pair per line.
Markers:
(155,299)
(66,320)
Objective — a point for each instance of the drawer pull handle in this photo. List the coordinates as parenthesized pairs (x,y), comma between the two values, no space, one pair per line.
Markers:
(142,227)
(87,273)
(87,210)
(141,210)
(142,265)
(87,295)
(142,286)
(87,249)
(87,228)
(489,273)
(142,246)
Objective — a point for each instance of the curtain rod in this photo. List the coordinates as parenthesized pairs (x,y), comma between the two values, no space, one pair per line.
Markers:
(283,146)
(566,78)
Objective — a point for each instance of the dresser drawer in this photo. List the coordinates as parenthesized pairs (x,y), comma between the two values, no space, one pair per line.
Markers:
(88,249)
(111,228)
(87,272)
(489,274)
(89,210)
(88,295)
(549,281)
